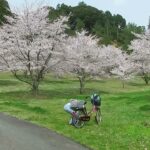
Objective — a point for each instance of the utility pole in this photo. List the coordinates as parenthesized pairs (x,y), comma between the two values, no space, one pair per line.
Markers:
(149,24)
(118,28)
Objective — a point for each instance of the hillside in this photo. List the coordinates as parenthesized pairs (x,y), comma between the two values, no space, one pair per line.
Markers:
(112,28)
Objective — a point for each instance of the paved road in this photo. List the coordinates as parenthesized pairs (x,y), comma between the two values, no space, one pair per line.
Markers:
(20,135)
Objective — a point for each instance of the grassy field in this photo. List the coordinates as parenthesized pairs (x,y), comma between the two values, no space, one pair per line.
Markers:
(125,112)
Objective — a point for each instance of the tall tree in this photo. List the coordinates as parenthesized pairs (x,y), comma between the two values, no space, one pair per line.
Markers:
(29,45)
(81,55)
(85,59)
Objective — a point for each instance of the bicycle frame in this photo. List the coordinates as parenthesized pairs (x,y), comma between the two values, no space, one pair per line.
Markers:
(84,116)
(87,115)
(94,109)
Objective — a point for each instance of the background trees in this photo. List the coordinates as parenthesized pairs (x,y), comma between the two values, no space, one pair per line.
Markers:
(29,45)
(4,10)
(112,29)
(126,68)
(141,55)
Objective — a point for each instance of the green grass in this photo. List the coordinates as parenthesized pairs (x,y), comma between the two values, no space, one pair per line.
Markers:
(125,112)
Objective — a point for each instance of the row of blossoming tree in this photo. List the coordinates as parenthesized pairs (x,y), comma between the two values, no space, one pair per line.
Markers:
(31,46)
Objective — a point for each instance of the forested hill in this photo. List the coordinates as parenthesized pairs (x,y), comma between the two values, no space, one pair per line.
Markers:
(4,10)
(112,28)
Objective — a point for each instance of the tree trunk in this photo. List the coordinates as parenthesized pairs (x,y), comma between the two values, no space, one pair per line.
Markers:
(146,78)
(82,84)
(123,84)
(35,87)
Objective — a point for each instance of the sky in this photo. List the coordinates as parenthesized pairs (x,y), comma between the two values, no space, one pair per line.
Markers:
(134,11)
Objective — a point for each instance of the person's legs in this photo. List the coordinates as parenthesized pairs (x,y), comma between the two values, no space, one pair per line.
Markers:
(70,121)
(67,108)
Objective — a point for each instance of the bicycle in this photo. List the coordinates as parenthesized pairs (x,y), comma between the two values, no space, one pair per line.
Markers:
(83,116)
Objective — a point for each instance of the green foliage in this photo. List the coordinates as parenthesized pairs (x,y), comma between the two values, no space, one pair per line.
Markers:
(79,25)
(4,10)
(134,28)
(60,10)
(89,15)
(112,29)
(126,36)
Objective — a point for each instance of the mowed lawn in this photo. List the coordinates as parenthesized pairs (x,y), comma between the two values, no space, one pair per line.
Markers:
(125,112)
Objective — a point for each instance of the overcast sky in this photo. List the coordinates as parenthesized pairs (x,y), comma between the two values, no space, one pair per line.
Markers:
(135,11)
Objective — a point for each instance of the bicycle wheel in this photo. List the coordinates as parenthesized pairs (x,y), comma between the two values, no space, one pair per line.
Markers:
(77,122)
(98,117)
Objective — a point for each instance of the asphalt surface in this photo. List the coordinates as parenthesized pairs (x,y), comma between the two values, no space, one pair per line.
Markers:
(21,135)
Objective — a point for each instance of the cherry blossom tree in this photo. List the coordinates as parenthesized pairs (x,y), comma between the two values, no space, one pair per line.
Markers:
(86,59)
(30,44)
(126,68)
(80,57)
(141,55)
